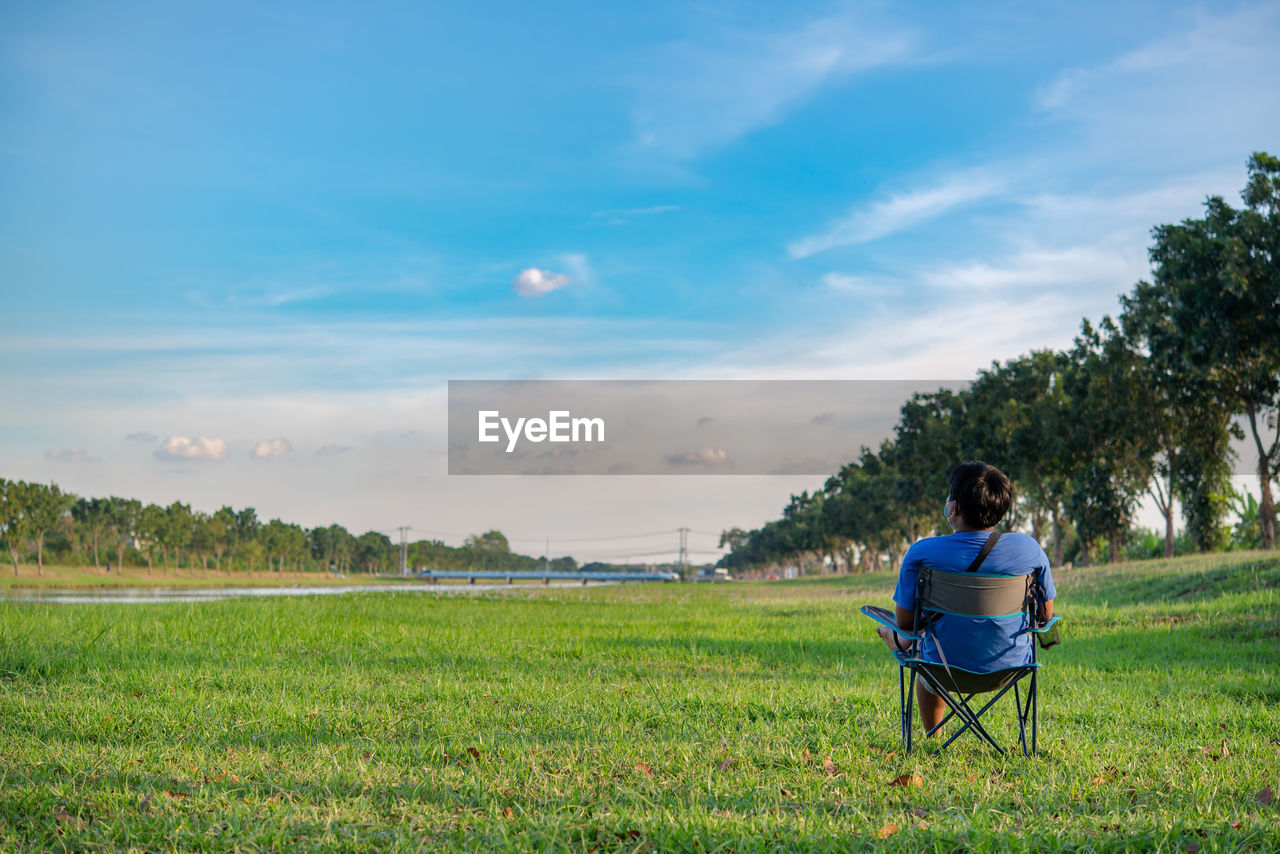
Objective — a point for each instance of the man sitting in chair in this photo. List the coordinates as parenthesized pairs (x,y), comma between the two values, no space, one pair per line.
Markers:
(978,497)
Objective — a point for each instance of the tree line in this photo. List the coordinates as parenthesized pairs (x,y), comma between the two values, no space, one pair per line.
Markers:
(39,518)
(1142,404)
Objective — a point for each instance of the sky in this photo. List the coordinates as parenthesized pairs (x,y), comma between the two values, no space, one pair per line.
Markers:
(244,246)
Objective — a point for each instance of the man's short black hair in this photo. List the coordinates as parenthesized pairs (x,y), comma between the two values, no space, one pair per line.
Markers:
(982,493)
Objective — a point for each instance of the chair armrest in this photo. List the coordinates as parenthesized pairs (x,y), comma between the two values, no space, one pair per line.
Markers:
(1046,626)
(870,611)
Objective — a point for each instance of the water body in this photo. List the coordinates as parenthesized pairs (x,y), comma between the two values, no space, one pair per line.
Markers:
(135,595)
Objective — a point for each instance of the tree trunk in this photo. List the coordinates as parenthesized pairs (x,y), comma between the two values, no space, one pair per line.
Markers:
(40,554)
(150,558)
(14,554)
(1114,543)
(1084,552)
(1057,538)
(1266,507)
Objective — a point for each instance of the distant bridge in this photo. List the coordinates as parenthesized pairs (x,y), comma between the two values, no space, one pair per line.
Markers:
(545,577)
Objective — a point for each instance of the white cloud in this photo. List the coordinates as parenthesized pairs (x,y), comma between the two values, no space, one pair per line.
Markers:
(1204,93)
(697,96)
(700,457)
(620,216)
(900,210)
(533,282)
(142,437)
(866,286)
(71,455)
(268,448)
(332,450)
(1110,268)
(184,448)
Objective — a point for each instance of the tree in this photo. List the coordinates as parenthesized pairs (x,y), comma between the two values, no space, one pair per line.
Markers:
(1211,315)
(202,537)
(123,514)
(94,516)
(1111,445)
(177,531)
(222,530)
(152,521)
(493,541)
(14,521)
(47,506)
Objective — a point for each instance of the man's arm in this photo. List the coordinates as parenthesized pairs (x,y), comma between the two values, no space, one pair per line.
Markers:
(906,619)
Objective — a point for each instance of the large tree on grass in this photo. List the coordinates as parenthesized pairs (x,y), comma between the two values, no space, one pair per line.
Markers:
(1211,316)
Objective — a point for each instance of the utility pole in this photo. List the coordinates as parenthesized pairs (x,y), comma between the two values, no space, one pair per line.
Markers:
(404,550)
(547,565)
(684,551)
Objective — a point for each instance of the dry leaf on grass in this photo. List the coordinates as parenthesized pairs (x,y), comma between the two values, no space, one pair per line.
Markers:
(787,793)
(644,769)
(1265,796)
(829,767)
(886,831)
(916,779)
(475,754)
(726,764)
(918,812)
(508,812)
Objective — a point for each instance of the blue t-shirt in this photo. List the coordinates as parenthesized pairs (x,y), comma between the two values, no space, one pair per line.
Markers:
(977,644)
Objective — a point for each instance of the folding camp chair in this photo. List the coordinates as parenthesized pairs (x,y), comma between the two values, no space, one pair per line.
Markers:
(967,594)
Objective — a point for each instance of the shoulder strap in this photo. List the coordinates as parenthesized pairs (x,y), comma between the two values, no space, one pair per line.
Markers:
(986,550)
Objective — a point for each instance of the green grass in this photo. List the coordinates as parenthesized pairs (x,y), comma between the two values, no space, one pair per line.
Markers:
(675,717)
(76,576)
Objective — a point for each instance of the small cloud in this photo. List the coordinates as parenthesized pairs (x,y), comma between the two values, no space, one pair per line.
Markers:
(858,285)
(332,450)
(900,211)
(183,448)
(701,457)
(824,418)
(621,468)
(268,448)
(533,282)
(142,437)
(704,420)
(620,216)
(71,455)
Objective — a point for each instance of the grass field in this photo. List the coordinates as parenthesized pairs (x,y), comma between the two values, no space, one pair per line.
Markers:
(88,577)
(733,717)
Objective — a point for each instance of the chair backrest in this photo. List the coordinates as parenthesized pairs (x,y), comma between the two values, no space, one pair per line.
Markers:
(973,594)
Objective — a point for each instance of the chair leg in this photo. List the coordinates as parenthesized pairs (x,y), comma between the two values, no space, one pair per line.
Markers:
(1035,701)
(1022,716)
(902,711)
(911,705)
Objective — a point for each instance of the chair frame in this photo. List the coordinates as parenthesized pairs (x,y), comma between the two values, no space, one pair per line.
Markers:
(934,674)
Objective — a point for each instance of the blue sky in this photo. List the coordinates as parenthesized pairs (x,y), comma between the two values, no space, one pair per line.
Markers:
(263,222)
